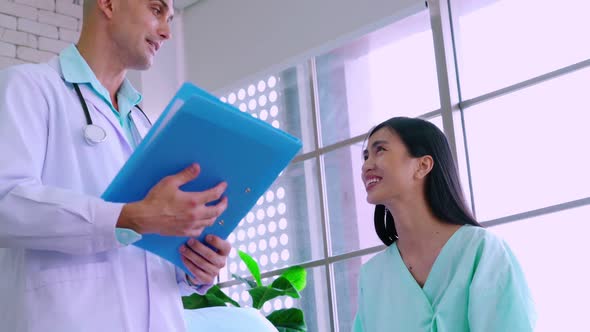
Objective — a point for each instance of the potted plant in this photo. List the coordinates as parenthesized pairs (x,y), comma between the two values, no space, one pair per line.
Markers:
(289,283)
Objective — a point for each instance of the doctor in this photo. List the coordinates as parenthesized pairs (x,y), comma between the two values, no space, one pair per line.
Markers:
(66,128)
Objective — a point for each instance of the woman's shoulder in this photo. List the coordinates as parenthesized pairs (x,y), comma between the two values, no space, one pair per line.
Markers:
(380,261)
(489,251)
(481,237)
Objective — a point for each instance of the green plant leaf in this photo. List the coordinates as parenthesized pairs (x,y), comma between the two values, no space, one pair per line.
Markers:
(214,301)
(218,293)
(215,297)
(197,301)
(288,320)
(262,294)
(286,286)
(297,276)
(279,287)
(250,283)
(252,266)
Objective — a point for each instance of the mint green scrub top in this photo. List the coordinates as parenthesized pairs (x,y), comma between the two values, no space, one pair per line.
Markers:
(475,284)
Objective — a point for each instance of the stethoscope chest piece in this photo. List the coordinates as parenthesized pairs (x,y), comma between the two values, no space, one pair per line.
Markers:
(94,134)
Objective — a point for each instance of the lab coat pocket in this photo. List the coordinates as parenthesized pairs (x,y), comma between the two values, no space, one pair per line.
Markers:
(74,298)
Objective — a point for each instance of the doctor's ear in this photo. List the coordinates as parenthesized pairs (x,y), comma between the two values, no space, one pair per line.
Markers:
(105,7)
(424,166)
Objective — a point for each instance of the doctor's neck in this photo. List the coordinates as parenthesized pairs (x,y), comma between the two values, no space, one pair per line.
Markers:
(100,51)
(107,70)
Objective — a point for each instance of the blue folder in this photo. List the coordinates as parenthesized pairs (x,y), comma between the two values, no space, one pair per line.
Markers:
(229,145)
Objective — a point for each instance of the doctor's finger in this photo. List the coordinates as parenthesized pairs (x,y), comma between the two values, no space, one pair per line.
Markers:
(197,226)
(198,260)
(211,211)
(192,231)
(201,215)
(200,276)
(211,194)
(223,246)
(210,255)
(186,175)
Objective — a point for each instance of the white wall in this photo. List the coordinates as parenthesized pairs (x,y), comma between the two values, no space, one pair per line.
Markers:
(229,41)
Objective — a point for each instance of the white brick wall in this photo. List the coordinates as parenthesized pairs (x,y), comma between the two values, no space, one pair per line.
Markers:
(69,35)
(36,30)
(7,21)
(58,20)
(7,50)
(32,55)
(52,45)
(18,38)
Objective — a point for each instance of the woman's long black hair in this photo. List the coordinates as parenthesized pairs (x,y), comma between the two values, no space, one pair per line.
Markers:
(443,189)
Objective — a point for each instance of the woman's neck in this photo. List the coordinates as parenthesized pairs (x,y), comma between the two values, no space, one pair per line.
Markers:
(419,230)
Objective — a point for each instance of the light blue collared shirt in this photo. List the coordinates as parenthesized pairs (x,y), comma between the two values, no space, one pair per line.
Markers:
(76,70)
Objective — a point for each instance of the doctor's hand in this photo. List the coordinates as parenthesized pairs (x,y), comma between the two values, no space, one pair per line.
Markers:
(167,210)
(204,262)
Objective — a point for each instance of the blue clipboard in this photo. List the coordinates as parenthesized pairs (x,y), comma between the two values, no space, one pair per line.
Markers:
(229,145)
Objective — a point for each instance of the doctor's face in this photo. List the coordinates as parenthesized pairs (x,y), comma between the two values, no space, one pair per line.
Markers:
(140,27)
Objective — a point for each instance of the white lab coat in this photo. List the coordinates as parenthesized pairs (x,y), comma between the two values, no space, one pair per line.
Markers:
(61,267)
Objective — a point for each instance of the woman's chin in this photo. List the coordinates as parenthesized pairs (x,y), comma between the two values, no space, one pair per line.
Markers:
(373,200)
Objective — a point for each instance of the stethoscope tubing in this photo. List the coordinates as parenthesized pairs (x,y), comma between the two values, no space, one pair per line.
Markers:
(94,134)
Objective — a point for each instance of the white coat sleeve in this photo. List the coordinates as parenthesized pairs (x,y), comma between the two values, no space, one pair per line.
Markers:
(34,215)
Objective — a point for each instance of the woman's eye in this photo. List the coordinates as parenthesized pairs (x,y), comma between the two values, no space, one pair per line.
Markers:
(379,149)
(157,11)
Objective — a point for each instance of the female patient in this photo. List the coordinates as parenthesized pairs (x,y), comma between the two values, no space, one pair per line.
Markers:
(442,271)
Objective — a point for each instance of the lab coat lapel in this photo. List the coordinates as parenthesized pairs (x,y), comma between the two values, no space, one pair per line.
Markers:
(140,122)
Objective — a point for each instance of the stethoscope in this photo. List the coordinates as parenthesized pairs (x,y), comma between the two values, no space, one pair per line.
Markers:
(94,134)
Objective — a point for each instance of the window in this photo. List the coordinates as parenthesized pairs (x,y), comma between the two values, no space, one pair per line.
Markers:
(504,42)
(527,149)
(552,251)
(386,73)
(283,228)
(346,275)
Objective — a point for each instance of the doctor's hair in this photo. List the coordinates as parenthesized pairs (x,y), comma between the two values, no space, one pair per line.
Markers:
(444,195)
